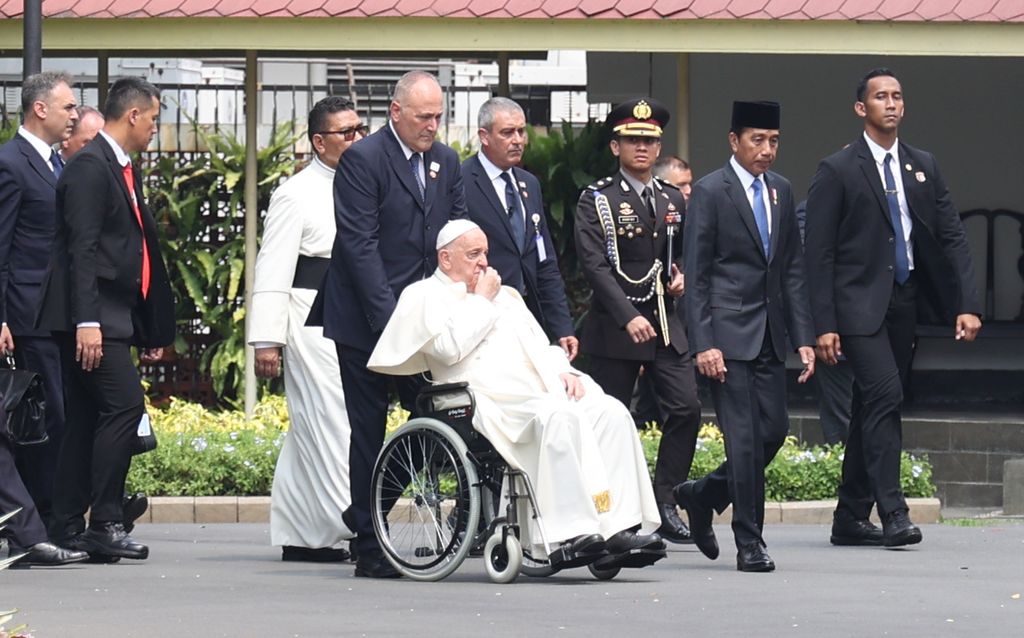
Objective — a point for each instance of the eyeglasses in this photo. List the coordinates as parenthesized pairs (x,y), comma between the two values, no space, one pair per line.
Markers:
(349,134)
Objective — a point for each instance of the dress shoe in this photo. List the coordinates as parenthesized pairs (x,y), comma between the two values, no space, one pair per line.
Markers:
(753,557)
(373,564)
(47,555)
(630,549)
(847,530)
(897,530)
(700,519)
(314,554)
(586,544)
(627,540)
(110,539)
(673,529)
(75,543)
(134,507)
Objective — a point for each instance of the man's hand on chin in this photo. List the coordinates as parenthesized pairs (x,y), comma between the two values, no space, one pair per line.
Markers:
(573,386)
(486,284)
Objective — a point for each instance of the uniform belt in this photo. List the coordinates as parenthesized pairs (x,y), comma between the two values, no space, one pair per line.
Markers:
(310,271)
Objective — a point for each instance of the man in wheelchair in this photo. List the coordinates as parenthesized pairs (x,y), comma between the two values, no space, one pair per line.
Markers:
(577,445)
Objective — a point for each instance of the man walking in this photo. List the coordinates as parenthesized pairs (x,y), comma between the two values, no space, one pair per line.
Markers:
(747,299)
(883,238)
(506,202)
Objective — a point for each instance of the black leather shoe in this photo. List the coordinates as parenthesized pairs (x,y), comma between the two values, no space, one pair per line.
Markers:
(75,543)
(627,540)
(673,529)
(700,519)
(897,530)
(314,554)
(586,544)
(110,539)
(630,549)
(47,555)
(373,564)
(847,530)
(753,557)
(134,507)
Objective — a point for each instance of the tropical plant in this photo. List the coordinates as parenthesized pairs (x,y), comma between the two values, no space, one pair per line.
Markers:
(200,205)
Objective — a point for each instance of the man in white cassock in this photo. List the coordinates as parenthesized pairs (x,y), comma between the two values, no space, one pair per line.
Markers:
(311,485)
(578,446)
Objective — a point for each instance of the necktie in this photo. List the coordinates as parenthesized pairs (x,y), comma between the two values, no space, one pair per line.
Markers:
(515,212)
(58,165)
(902,262)
(760,214)
(649,203)
(129,180)
(414,160)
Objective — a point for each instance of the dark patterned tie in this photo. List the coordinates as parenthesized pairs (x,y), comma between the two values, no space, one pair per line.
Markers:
(58,165)
(902,261)
(414,160)
(515,212)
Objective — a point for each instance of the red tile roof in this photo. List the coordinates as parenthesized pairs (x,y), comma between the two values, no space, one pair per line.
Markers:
(875,10)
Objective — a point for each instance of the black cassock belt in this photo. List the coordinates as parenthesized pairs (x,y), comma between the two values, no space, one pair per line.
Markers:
(310,271)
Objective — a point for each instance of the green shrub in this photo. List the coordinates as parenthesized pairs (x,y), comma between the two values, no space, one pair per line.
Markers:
(220,453)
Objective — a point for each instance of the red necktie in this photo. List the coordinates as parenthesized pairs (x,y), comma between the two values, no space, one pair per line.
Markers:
(129,179)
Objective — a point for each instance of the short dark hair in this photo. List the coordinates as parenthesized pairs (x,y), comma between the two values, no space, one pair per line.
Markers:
(331,104)
(39,86)
(126,93)
(880,72)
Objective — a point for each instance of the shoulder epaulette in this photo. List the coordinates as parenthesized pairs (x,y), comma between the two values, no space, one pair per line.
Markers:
(601,183)
(665,182)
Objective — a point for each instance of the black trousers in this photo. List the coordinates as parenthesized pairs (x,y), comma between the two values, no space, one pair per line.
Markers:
(880,363)
(25,528)
(676,387)
(835,399)
(751,411)
(37,464)
(104,407)
(366,400)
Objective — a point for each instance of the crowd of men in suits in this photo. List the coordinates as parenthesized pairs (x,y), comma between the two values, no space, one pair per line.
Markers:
(715,281)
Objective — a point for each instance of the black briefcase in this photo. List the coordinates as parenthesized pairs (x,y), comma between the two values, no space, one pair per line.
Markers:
(24,408)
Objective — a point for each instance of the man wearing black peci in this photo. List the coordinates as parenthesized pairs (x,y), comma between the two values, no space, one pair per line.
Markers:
(883,240)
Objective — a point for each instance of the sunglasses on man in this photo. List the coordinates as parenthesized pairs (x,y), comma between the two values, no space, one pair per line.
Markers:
(349,134)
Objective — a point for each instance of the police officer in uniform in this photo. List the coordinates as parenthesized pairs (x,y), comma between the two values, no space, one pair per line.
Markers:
(629,240)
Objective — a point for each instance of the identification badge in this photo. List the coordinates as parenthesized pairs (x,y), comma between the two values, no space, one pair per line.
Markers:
(542,254)
(144,426)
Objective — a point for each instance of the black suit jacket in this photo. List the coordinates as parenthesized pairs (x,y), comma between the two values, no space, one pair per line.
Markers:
(732,289)
(95,269)
(520,266)
(28,219)
(850,243)
(386,234)
(639,243)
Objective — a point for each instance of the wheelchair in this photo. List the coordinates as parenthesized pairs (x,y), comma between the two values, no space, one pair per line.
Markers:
(436,489)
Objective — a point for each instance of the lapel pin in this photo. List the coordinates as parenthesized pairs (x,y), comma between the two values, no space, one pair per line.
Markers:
(775,197)
(908,167)
(434,167)
(522,184)
(919,176)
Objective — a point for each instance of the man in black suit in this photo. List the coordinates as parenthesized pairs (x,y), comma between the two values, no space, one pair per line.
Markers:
(392,194)
(506,202)
(884,243)
(28,175)
(106,290)
(747,293)
(625,231)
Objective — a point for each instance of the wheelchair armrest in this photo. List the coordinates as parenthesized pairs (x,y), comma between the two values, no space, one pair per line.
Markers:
(442,388)
(426,400)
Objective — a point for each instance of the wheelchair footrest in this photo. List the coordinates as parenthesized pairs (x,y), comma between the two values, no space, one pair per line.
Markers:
(633,558)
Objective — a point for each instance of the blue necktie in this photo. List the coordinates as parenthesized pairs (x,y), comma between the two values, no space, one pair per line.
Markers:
(515,212)
(760,215)
(902,262)
(58,165)
(414,160)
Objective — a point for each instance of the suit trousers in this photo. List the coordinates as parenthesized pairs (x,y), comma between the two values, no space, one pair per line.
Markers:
(366,400)
(835,399)
(751,411)
(105,406)
(674,383)
(37,464)
(25,528)
(880,364)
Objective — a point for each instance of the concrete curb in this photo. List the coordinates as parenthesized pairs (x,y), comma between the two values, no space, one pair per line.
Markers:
(256,509)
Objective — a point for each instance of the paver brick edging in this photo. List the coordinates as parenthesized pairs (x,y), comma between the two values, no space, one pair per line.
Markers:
(256,509)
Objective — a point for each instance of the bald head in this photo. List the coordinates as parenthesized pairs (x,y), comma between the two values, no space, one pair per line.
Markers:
(416,110)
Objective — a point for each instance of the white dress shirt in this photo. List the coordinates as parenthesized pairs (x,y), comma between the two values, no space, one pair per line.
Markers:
(747,180)
(879,153)
(45,150)
(408,155)
(494,174)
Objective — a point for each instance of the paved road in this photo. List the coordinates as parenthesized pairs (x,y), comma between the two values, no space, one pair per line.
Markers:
(223,580)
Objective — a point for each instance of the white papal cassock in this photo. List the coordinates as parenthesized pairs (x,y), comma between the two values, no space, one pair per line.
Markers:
(311,485)
(584,457)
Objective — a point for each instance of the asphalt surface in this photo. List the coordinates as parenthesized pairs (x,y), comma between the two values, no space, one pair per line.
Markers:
(224,580)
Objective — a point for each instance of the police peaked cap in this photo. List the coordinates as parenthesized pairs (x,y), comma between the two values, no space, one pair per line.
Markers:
(641,117)
(764,115)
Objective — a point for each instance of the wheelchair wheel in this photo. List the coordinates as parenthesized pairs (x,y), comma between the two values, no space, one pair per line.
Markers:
(604,574)
(503,557)
(536,567)
(427,534)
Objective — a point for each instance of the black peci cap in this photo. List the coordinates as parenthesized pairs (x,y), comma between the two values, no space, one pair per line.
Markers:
(764,115)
